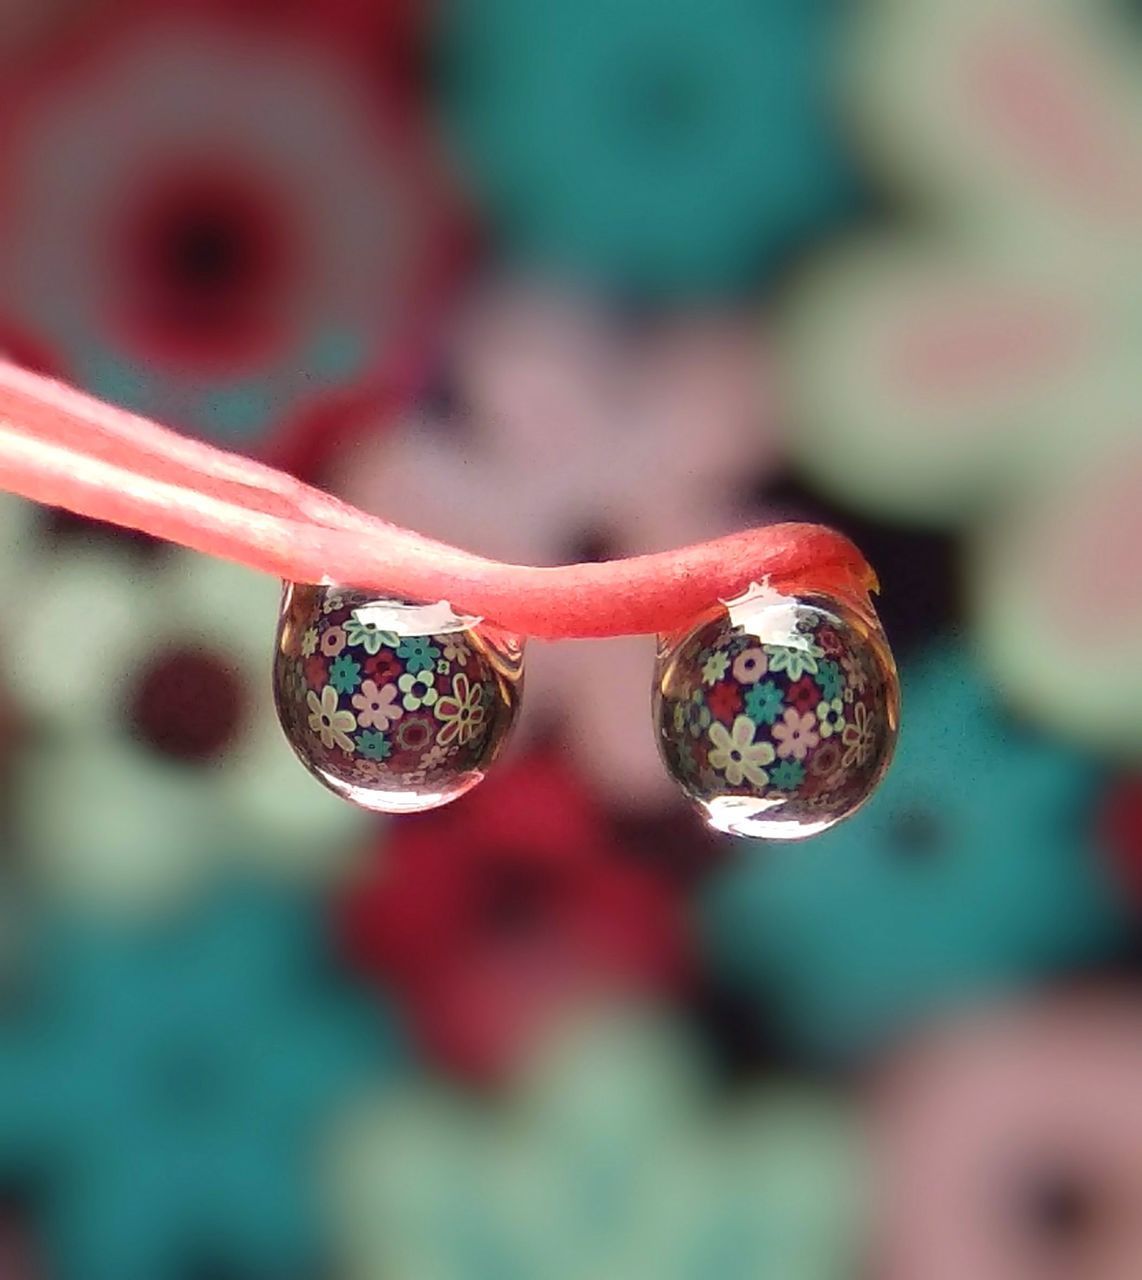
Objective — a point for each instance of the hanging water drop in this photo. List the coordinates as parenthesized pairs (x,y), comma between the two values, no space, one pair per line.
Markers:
(396,706)
(776,714)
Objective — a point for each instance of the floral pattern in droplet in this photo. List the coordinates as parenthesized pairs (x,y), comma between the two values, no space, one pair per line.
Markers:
(744,712)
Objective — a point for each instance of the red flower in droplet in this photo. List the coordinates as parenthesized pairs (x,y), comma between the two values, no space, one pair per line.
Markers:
(803,694)
(384,667)
(830,642)
(724,700)
(489,917)
(316,672)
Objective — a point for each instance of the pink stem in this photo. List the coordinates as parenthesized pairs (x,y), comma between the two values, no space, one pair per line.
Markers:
(64,448)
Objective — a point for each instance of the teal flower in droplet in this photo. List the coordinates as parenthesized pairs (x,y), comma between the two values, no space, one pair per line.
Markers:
(715,667)
(344,674)
(794,661)
(698,715)
(419,653)
(374,745)
(167,1083)
(685,754)
(787,775)
(763,702)
(369,636)
(973,868)
(829,679)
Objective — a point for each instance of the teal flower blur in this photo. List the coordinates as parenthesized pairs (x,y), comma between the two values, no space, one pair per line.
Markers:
(668,146)
(168,1082)
(606,1161)
(974,867)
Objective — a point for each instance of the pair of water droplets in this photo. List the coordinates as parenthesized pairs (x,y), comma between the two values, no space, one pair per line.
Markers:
(776,715)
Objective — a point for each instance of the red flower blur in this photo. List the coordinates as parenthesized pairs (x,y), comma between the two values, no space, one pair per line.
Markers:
(222,215)
(18,1255)
(489,918)
(1121,827)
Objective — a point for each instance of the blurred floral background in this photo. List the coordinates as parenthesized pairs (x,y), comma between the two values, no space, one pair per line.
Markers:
(565,280)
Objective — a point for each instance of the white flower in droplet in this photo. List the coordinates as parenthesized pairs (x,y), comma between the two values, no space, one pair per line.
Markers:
(796,734)
(377,708)
(737,755)
(715,667)
(418,688)
(331,725)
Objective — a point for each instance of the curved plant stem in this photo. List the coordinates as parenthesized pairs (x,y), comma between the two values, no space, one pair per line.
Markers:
(64,448)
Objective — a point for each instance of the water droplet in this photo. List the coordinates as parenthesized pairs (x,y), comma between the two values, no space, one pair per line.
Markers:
(396,706)
(776,714)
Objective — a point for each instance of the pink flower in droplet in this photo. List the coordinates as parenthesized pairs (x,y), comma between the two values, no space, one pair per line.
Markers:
(750,666)
(377,708)
(333,641)
(796,734)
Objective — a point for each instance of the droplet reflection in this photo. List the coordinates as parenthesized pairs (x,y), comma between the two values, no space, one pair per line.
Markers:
(396,706)
(776,714)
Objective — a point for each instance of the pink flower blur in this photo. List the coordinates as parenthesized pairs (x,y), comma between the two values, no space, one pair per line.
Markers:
(570,436)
